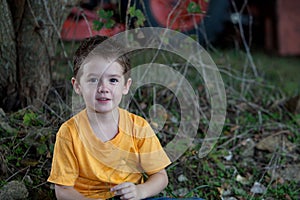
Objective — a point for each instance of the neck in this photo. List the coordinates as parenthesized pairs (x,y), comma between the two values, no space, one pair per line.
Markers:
(104,118)
(104,125)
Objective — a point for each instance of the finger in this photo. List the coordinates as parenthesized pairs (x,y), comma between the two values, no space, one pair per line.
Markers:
(121,186)
(124,191)
(130,195)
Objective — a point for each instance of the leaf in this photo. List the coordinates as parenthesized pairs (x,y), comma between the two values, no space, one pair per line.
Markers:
(109,24)
(274,142)
(141,18)
(51,148)
(97,25)
(242,179)
(289,172)
(105,20)
(182,178)
(31,119)
(7,129)
(29,162)
(133,12)
(42,149)
(258,188)
(194,8)
(105,14)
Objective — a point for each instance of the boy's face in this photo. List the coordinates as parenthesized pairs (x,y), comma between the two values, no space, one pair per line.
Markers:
(101,85)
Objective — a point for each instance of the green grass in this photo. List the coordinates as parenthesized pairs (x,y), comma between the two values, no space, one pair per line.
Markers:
(249,116)
(280,71)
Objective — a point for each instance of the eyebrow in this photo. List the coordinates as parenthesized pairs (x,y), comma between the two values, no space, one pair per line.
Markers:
(92,74)
(109,75)
(115,75)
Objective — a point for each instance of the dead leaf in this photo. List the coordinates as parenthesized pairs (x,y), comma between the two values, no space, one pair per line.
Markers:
(229,156)
(29,162)
(143,105)
(242,179)
(10,131)
(182,178)
(242,106)
(258,188)
(275,142)
(234,128)
(154,124)
(224,193)
(293,104)
(229,198)
(289,172)
(248,148)
(181,192)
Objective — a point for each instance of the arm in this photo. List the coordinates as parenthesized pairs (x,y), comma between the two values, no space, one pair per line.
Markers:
(154,185)
(68,193)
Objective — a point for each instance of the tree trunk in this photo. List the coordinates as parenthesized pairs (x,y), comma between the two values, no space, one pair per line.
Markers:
(8,58)
(28,45)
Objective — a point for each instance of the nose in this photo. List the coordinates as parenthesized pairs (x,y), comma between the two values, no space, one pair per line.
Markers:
(102,88)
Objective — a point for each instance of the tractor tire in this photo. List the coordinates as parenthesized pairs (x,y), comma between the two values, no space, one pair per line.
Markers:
(206,28)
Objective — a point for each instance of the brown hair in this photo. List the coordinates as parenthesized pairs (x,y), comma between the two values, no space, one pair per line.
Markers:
(108,49)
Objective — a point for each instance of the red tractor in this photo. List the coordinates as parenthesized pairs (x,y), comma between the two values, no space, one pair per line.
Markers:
(203,18)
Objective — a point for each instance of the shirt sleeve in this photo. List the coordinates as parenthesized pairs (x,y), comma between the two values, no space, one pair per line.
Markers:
(64,170)
(153,158)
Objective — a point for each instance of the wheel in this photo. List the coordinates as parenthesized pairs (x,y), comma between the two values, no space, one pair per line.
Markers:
(206,24)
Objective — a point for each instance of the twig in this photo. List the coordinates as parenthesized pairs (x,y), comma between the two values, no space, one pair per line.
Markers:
(27,171)
(58,34)
(19,171)
(154,100)
(249,56)
(87,23)
(34,187)
(138,106)
(34,17)
(171,13)
(127,15)
(51,110)
(274,160)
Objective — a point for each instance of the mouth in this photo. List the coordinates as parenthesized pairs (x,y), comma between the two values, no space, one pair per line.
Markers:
(103,99)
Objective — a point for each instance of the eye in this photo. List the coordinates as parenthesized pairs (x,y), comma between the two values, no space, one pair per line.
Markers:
(113,80)
(93,80)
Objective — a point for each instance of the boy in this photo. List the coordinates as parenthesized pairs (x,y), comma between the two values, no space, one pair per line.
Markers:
(104,151)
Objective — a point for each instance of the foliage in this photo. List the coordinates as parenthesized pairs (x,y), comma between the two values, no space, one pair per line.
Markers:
(256,110)
(230,170)
(194,8)
(138,14)
(105,19)
(26,155)
(239,159)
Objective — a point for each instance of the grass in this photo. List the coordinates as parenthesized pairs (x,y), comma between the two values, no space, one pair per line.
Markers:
(278,71)
(227,171)
(250,118)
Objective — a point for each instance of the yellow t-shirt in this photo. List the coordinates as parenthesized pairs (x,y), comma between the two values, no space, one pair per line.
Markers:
(82,160)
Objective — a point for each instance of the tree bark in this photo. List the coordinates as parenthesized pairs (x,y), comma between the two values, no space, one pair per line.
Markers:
(28,45)
(8,57)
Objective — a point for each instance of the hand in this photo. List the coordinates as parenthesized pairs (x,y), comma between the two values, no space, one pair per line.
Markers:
(127,191)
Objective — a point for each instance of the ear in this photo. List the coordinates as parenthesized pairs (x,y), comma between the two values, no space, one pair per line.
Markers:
(76,85)
(127,86)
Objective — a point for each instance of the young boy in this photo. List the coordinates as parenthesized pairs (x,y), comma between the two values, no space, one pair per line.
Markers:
(105,151)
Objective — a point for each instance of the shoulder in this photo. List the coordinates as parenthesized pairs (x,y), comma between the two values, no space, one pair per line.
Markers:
(70,127)
(136,119)
(134,124)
